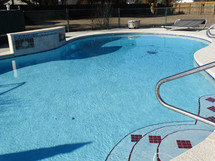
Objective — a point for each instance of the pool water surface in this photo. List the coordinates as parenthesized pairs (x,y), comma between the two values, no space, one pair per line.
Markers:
(78,101)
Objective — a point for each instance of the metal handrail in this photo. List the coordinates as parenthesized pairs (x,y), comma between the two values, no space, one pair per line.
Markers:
(176,76)
(208,32)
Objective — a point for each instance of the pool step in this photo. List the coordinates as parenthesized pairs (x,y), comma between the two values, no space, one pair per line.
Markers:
(157,141)
(164,141)
(173,142)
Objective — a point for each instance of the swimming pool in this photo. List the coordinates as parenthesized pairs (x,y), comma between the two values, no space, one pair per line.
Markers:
(78,101)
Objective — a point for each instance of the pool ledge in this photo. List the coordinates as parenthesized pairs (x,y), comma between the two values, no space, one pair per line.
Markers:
(206,55)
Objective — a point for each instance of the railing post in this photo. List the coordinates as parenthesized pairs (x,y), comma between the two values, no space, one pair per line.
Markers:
(213,10)
(118,17)
(67,19)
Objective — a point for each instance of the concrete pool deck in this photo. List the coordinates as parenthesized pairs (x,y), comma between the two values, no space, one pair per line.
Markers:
(206,55)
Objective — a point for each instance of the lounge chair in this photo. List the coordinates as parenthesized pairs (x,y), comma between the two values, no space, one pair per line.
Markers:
(188,24)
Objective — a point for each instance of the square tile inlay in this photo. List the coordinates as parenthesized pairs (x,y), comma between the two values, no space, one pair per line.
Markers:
(212,108)
(211,118)
(211,99)
(186,144)
(154,139)
(135,138)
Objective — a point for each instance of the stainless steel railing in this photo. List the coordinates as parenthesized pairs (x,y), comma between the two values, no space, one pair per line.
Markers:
(208,32)
(176,76)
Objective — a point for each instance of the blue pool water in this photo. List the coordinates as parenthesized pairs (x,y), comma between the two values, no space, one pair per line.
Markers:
(78,101)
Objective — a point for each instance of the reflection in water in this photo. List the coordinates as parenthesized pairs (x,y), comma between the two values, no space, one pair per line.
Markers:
(14,68)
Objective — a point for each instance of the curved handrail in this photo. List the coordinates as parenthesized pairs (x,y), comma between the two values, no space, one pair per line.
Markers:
(176,76)
(208,32)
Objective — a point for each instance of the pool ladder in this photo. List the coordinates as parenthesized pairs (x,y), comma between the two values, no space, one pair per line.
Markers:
(179,75)
(208,32)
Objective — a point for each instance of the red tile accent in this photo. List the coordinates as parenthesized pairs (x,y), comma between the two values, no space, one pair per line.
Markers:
(211,99)
(135,138)
(212,108)
(186,144)
(154,139)
(211,118)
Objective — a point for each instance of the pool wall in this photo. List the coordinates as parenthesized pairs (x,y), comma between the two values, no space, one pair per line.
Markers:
(33,41)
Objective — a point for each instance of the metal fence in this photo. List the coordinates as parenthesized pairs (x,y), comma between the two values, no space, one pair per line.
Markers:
(94,19)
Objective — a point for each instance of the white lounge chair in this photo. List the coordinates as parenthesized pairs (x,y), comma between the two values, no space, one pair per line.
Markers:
(188,24)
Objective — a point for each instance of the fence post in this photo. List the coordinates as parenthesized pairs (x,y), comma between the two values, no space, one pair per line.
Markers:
(118,17)
(67,19)
(213,10)
(107,16)
(166,16)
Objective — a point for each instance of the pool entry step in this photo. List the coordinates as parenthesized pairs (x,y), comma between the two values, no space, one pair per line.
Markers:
(165,141)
